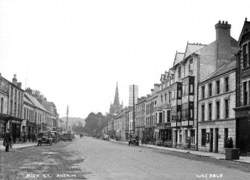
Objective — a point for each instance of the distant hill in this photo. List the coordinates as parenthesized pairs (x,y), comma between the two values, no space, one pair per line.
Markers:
(74,120)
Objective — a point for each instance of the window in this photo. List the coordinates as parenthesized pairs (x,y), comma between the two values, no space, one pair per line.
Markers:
(179,72)
(218,110)
(180,136)
(190,67)
(2,105)
(168,115)
(169,97)
(203,112)
(248,53)
(192,136)
(161,98)
(165,97)
(160,117)
(225,135)
(191,88)
(203,92)
(218,87)
(245,93)
(210,89)
(191,113)
(203,137)
(226,84)
(210,111)
(244,55)
(226,108)
(179,93)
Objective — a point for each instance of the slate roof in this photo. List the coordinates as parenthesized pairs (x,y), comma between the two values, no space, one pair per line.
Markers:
(35,102)
(245,29)
(192,47)
(223,69)
(178,57)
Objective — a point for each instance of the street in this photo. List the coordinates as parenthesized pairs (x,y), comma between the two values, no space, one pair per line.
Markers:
(89,158)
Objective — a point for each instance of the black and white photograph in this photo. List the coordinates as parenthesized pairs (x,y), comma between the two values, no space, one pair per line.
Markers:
(124,90)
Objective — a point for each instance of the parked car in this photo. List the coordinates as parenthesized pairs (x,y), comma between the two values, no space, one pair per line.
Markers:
(67,137)
(44,138)
(105,137)
(134,141)
(55,136)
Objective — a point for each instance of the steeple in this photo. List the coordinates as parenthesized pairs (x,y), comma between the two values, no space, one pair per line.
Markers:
(116,100)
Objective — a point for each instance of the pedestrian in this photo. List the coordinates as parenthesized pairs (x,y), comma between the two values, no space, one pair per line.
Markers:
(7,140)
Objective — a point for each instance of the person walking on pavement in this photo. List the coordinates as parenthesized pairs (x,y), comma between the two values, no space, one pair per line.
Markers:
(7,140)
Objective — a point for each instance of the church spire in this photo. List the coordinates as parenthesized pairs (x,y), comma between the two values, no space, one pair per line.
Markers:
(116,100)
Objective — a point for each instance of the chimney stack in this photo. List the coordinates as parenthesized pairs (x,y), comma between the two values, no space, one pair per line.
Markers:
(19,84)
(223,42)
(14,80)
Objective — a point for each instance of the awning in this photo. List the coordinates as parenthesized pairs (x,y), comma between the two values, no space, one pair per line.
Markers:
(7,117)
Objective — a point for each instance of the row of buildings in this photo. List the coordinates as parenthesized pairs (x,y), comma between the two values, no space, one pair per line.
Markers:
(24,112)
(200,102)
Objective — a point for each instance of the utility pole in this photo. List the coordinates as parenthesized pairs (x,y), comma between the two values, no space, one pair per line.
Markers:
(133,127)
(67,118)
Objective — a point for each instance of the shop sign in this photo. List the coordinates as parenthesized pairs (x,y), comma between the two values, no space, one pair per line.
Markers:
(15,121)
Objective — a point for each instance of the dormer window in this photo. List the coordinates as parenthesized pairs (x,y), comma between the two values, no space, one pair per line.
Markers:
(190,67)
(179,72)
(244,56)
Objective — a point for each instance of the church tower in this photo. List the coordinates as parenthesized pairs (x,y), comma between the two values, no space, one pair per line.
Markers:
(116,106)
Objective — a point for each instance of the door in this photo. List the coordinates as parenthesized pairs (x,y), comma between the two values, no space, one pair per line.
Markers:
(211,140)
(216,140)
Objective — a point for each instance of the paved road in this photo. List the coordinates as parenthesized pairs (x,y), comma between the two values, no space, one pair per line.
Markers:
(107,160)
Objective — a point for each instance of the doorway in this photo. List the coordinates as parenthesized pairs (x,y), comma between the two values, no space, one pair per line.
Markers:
(216,140)
(211,140)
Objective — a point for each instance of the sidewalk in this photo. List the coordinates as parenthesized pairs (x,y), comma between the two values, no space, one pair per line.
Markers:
(18,145)
(244,159)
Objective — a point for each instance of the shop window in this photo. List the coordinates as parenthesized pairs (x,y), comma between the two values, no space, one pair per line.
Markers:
(225,136)
(192,136)
(203,137)
(180,136)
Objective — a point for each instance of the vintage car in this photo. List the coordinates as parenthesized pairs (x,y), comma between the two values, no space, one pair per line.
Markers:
(133,141)
(105,137)
(54,136)
(67,137)
(44,138)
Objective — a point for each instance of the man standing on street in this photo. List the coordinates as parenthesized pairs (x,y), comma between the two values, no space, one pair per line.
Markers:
(7,140)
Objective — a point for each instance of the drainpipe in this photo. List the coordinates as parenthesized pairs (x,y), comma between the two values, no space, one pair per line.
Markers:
(197,103)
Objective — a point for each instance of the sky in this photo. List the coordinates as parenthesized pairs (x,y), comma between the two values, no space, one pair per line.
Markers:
(74,51)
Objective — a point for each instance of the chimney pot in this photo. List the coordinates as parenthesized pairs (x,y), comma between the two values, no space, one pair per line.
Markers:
(245,18)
